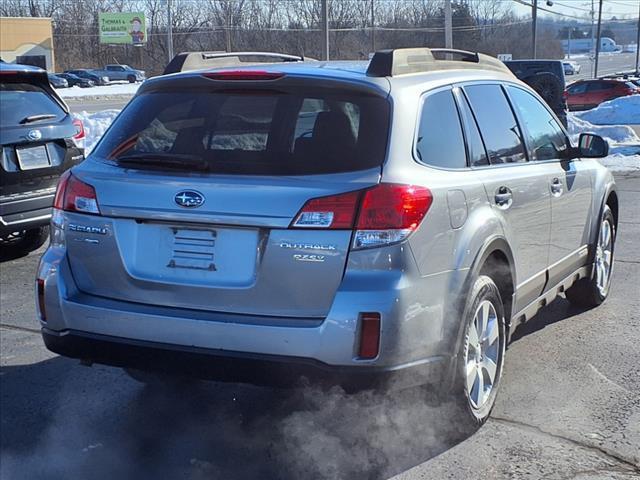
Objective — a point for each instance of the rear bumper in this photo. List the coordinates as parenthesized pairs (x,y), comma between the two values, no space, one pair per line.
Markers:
(25,211)
(225,366)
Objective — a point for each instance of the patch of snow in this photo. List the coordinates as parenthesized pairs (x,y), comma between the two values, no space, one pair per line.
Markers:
(99,91)
(614,134)
(622,163)
(624,144)
(95,124)
(620,111)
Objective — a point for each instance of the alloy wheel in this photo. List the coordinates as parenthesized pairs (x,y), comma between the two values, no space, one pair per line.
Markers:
(482,354)
(604,257)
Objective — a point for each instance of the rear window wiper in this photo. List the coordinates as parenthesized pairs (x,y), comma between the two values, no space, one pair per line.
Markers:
(37,118)
(164,160)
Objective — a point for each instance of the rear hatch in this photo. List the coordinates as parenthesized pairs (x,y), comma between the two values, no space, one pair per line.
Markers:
(200,180)
(36,133)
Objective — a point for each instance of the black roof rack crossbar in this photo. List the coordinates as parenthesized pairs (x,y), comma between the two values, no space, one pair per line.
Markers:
(401,61)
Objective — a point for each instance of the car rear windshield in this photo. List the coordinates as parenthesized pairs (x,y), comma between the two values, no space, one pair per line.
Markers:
(254,132)
(23,100)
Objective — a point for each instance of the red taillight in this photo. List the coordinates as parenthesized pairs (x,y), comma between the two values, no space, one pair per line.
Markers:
(230,75)
(387,213)
(40,296)
(369,335)
(80,133)
(390,206)
(73,195)
(333,212)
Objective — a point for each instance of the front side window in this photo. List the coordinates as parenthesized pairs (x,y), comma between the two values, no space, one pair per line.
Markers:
(498,126)
(477,152)
(578,88)
(440,142)
(546,139)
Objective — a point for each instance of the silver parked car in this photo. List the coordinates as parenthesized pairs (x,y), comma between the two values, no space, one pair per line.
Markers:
(368,224)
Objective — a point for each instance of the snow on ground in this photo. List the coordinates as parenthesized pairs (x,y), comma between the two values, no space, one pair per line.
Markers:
(620,111)
(95,124)
(618,134)
(99,91)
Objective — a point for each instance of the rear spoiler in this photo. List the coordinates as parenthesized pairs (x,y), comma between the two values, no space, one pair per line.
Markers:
(186,61)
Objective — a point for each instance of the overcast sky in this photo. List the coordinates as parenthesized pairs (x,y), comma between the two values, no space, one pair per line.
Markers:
(579,8)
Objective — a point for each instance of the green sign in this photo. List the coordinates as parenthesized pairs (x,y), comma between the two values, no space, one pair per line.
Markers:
(122,28)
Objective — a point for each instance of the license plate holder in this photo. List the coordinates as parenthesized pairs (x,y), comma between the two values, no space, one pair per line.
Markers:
(31,158)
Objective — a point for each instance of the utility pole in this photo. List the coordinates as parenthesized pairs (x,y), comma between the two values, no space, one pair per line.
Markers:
(595,73)
(638,45)
(228,29)
(534,28)
(169,31)
(325,30)
(373,27)
(593,45)
(448,30)
(569,43)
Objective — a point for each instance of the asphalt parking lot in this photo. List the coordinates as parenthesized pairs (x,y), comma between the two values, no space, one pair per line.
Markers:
(569,407)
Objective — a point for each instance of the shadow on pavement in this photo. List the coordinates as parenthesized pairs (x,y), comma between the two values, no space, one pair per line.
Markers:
(558,310)
(62,421)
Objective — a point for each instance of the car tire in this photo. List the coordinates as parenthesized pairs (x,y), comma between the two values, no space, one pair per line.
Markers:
(25,241)
(591,292)
(480,358)
(131,78)
(548,86)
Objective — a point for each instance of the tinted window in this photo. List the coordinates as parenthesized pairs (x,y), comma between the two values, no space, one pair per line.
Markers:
(578,88)
(545,138)
(21,100)
(258,132)
(477,152)
(497,124)
(440,142)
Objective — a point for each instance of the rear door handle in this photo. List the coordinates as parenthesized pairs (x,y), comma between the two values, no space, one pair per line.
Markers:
(503,197)
(556,187)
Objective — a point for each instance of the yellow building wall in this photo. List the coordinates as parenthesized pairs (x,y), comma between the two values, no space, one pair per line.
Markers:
(26,36)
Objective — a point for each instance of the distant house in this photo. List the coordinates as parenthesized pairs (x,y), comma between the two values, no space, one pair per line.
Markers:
(27,40)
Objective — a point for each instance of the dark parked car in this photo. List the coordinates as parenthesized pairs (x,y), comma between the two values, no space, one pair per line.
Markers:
(57,81)
(546,77)
(97,79)
(39,140)
(586,94)
(76,80)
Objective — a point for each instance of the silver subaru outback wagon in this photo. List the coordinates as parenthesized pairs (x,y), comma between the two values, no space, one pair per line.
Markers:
(365,224)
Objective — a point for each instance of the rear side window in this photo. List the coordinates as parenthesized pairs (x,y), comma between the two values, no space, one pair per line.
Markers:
(253,131)
(546,139)
(23,100)
(440,142)
(498,126)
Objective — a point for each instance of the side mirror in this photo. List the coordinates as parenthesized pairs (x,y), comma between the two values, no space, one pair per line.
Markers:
(592,146)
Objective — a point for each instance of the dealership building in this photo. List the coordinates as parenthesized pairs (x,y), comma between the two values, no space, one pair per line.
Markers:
(28,41)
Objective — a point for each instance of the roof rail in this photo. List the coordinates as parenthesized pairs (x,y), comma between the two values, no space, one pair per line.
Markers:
(198,60)
(401,61)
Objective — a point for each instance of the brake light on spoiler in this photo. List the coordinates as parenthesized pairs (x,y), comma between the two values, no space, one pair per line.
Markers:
(251,75)
(385,214)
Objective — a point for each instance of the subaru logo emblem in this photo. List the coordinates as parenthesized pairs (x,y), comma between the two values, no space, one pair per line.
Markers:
(189,199)
(34,135)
